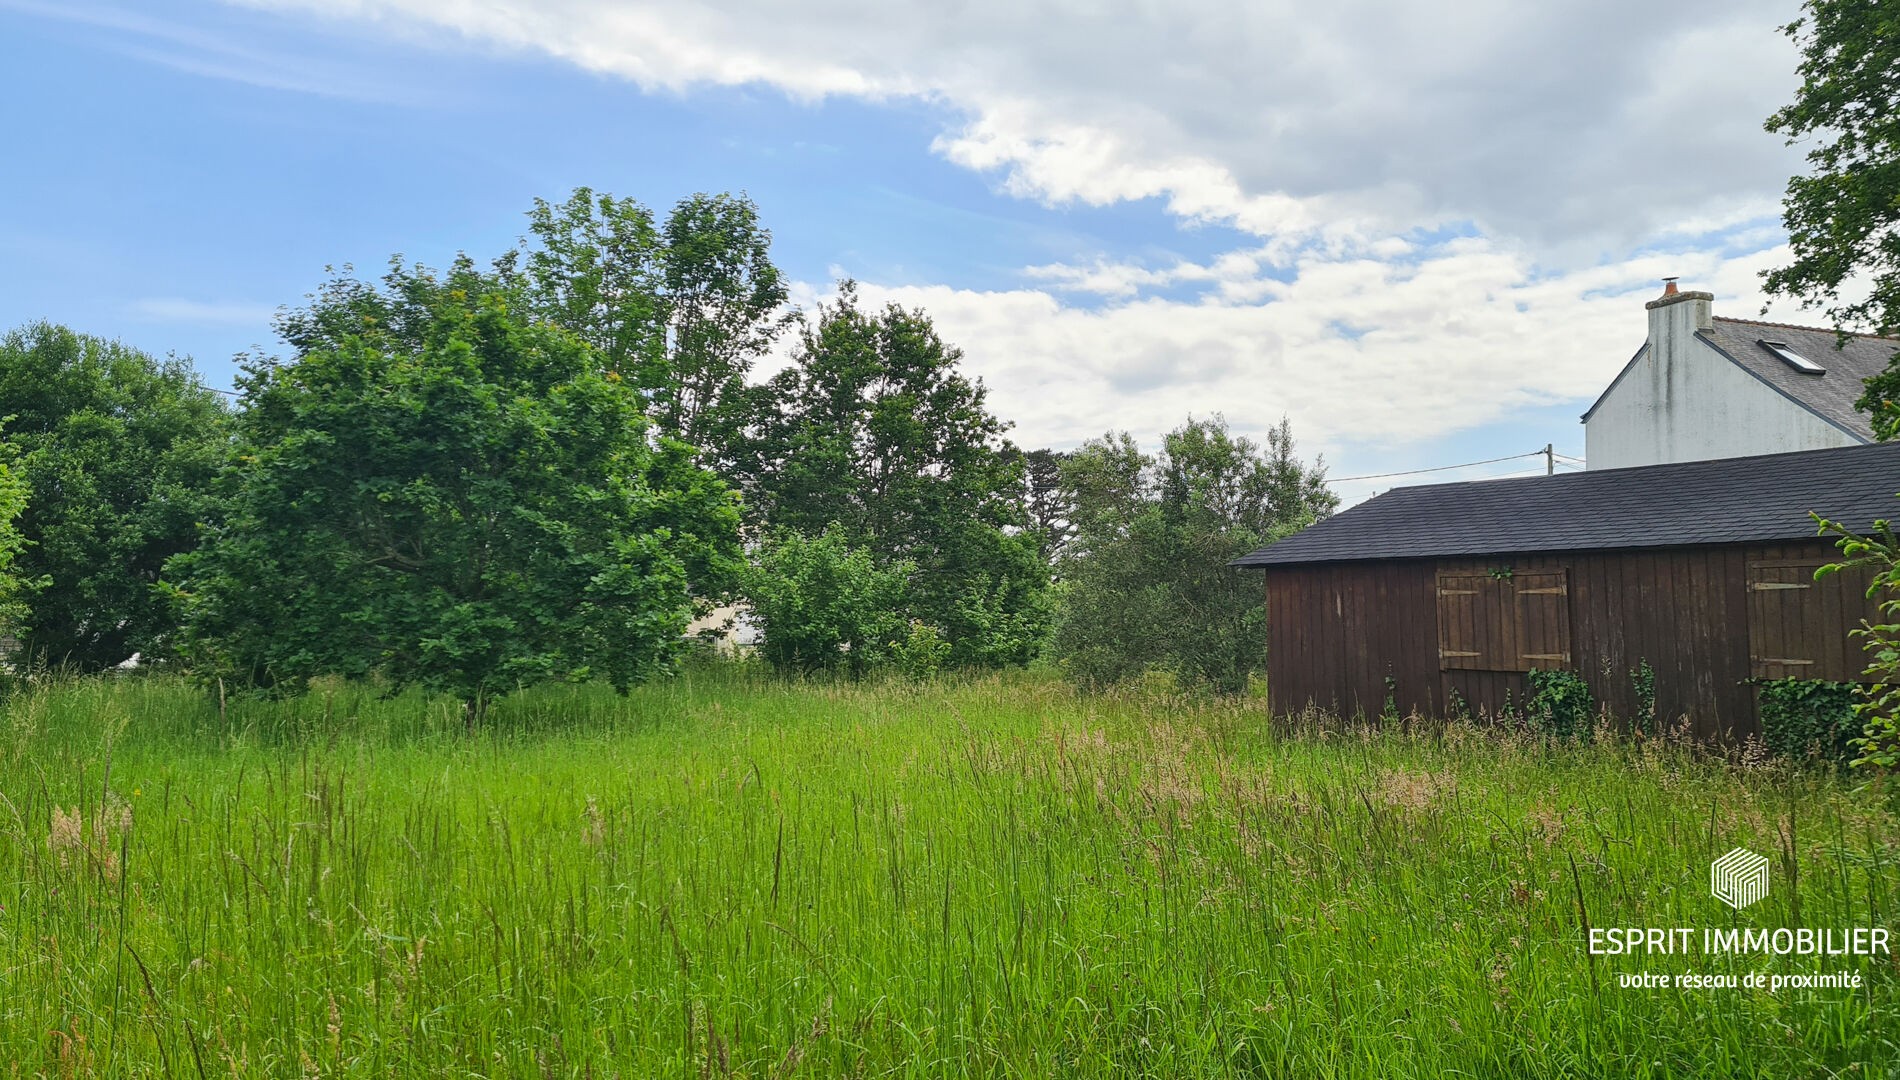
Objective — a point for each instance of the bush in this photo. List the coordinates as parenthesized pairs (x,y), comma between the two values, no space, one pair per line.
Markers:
(1560,703)
(920,655)
(1809,717)
(1878,710)
(824,605)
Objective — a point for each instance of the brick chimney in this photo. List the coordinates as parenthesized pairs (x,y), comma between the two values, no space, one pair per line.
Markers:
(1674,317)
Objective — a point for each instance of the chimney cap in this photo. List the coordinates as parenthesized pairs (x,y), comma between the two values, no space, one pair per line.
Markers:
(1673,295)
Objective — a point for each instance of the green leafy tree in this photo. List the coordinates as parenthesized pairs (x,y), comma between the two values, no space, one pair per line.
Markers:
(822,604)
(682,308)
(1145,583)
(873,429)
(437,491)
(1843,219)
(1878,709)
(119,450)
(14,588)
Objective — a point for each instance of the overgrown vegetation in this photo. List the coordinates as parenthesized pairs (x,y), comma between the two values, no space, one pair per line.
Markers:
(721,876)
(1559,704)
(1810,718)
(1878,712)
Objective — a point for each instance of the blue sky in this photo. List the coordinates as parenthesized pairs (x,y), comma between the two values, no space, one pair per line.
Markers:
(1121,224)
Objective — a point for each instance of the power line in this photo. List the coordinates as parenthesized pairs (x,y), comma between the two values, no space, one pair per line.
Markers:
(1440,468)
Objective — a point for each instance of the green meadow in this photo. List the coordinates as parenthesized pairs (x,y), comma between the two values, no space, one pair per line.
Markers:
(726,875)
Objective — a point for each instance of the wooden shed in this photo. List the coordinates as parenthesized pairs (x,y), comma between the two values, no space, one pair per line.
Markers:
(1441,597)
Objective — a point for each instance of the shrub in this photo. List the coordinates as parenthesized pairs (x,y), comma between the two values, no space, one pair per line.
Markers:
(1809,717)
(1879,710)
(920,655)
(823,604)
(1560,703)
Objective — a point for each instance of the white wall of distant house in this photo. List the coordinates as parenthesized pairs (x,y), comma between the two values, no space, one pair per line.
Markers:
(1691,403)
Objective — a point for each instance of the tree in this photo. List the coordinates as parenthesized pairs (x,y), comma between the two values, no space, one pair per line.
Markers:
(1146,582)
(1843,220)
(683,309)
(824,605)
(437,491)
(872,428)
(14,588)
(1046,511)
(119,450)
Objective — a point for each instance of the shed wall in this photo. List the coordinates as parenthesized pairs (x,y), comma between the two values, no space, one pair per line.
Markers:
(1345,636)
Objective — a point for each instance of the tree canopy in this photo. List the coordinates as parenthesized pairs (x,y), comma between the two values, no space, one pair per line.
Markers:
(14,588)
(1843,217)
(874,429)
(118,449)
(436,489)
(681,308)
(1145,582)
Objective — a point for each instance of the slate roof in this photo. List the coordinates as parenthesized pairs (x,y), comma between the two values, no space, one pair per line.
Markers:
(1690,503)
(1830,396)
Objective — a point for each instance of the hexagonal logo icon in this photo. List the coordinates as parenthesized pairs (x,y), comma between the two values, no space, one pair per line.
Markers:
(1739,878)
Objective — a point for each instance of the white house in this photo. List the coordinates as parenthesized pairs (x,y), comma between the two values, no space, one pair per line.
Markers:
(1706,387)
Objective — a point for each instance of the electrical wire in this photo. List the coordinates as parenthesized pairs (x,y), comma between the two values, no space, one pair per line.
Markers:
(1440,468)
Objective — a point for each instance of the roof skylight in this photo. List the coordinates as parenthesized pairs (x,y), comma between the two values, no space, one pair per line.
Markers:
(1793,359)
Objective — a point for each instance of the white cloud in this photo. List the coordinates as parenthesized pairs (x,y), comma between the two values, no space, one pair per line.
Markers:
(1356,352)
(1578,151)
(1583,128)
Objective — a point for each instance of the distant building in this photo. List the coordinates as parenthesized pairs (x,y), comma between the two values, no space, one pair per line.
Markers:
(1704,387)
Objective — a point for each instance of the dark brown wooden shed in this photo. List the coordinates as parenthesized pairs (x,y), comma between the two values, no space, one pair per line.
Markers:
(1430,596)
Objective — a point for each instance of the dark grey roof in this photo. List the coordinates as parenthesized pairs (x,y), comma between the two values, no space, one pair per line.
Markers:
(1830,396)
(1725,501)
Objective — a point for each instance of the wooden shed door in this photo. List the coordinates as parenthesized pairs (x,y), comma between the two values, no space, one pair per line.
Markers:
(1793,620)
(1516,623)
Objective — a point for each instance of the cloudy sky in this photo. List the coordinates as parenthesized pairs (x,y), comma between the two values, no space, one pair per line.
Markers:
(1422,232)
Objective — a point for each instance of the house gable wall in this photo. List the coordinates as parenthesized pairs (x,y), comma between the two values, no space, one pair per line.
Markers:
(1682,400)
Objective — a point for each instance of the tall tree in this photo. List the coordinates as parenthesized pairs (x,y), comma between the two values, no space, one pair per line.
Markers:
(470,504)
(682,308)
(14,588)
(1046,509)
(874,429)
(1145,582)
(119,450)
(1843,219)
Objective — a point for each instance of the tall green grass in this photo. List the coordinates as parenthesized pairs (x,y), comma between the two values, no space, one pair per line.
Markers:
(724,875)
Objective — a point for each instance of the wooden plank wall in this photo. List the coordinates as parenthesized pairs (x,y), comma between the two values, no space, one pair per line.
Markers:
(1339,632)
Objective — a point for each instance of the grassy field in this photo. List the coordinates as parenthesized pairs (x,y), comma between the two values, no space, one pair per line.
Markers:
(721,875)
